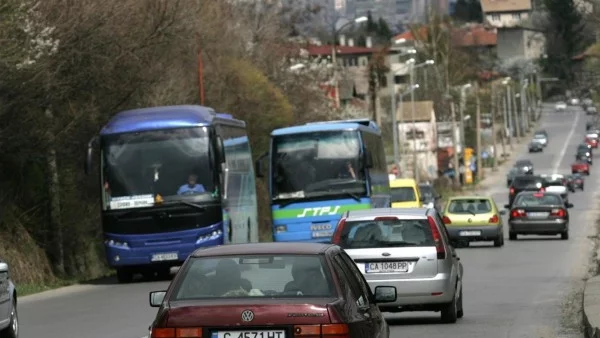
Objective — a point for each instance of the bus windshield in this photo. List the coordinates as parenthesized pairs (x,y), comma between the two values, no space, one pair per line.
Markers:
(317,164)
(142,168)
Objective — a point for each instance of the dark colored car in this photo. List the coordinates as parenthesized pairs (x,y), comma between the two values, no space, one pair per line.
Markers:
(580,166)
(585,149)
(431,198)
(538,213)
(525,183)
(512,173)
(270,290)
(584,156)
(525,165)
(535,147)
(575,181)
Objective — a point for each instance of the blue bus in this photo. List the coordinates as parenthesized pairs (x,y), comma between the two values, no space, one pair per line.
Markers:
(172,179)
(320,170)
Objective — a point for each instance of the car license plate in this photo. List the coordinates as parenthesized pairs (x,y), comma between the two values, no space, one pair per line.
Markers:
(537,214)
(382,267)
(469,233)
(322,234)
(249,334)
(172,256)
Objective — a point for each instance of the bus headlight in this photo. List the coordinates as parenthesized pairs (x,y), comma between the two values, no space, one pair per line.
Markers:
(118,244)
(280,228)
(212,235)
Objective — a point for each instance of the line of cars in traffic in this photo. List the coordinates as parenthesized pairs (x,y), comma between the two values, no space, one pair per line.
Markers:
(379,260)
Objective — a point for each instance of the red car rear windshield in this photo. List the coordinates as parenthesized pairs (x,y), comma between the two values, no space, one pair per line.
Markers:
(264,276)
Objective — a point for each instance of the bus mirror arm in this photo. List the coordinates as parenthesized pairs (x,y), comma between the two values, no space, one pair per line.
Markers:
(258,165)
(368,159)
(220,150)
(89,155)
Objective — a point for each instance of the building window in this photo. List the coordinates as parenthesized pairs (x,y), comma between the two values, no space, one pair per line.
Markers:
(495,17)
(418,133)
(516,16)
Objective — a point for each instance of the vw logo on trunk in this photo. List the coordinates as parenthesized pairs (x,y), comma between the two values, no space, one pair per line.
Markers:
(247,316)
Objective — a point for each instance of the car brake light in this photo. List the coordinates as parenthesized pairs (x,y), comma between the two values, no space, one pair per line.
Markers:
(494,219)
(325,330)
(539,194)
(446,220)
(542,190)
(437,238)
(184,332)
(386,218)
(337,236)
(558,212)
(512,190)
(517,213)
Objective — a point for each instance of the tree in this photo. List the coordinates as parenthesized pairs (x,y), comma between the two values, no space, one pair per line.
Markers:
(383,31)
(564,38)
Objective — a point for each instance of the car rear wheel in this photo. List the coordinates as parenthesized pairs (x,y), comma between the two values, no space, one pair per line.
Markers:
(512,236)
(12,330)
(587,173)
(449,313)
(460,312)
(564,235)
(499,241)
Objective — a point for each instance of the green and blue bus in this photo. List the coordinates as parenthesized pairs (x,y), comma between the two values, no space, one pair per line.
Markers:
(320,170)
(172,179)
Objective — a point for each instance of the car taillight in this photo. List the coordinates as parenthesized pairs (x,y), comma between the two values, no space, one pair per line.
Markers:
(386,218)
(512,191)
(437,238)
(494,219)
(337,235)
(542,189)
(558,212)
(324,330)
(517,213)
(170,332)
(446,220)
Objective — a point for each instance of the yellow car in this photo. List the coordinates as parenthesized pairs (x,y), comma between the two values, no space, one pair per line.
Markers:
(473,219)
(405,193)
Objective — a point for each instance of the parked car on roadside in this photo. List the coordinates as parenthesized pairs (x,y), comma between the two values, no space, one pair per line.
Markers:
(409,249)
(9,318)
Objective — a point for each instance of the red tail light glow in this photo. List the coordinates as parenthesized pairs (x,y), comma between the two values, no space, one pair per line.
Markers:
(337,235)
(386,218)
(325,331)
(437,238)
(558,212)
(542,190)
(494,219)
(512,191)
(446,220)
(517,213)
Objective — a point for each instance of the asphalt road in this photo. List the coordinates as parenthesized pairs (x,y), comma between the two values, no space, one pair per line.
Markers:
(514,291)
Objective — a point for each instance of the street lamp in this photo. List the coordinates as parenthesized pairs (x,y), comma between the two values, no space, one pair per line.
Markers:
(334,56)
(463,90)
(507,112)
(297,66)
(412,65)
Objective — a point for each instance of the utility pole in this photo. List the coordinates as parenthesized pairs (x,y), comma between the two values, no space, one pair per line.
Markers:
(478,132)
(394,118)
(414,129)
(494,109)
(517,121)
(508,114)
(455,141)
(504,109)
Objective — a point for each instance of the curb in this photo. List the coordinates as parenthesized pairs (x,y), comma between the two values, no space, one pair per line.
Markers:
(591,289)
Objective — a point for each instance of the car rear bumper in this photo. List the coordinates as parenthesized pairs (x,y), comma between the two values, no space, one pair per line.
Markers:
(538,227)
(418,291)
(486,232)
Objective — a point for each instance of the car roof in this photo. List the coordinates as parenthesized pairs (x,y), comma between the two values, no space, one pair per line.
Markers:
(470,197)
(400,212)
(529,192)
(403,182)
(263,248)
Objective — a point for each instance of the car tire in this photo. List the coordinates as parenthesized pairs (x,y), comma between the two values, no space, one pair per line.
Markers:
(12,330)
(460,312)
(499,241)
(587,173)
(449,313)
(582,188)
(124,275)
(512,236)
(564,235)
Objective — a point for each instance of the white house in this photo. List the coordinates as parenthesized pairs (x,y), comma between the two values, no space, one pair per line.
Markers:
(418,137)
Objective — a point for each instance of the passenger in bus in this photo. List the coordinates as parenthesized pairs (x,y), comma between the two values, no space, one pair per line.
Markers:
(347,171)
(191,187)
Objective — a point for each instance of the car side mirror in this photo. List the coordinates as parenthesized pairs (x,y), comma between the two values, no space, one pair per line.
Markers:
(569,205)
(385,294)
(502,212)
(3,267)
(157,298)
(258,165)
(507,206)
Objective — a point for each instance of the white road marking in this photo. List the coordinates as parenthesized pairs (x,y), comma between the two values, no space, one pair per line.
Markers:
(566,145)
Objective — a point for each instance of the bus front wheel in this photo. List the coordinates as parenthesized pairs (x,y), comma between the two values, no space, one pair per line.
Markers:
(124,275)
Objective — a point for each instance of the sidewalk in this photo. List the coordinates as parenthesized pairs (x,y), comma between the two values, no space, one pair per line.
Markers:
(591,307)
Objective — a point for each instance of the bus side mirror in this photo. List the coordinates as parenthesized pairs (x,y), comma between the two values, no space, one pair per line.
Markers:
(90,153)
(258,165)
(368,159)
(220,150)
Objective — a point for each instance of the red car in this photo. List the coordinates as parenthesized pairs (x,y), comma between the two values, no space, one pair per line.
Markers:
(580,167)
(592,141)
(270,290)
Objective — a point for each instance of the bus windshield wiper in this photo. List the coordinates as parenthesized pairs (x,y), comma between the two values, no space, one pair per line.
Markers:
(179,202)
